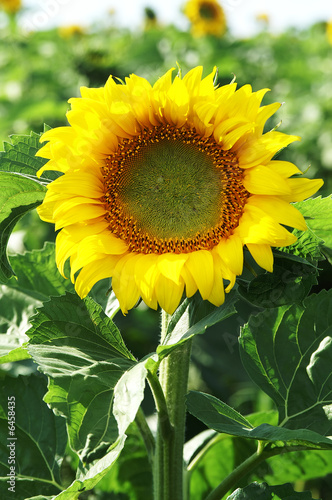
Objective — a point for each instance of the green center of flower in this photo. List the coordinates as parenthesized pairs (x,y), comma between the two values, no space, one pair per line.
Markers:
(207,11)
(170,190)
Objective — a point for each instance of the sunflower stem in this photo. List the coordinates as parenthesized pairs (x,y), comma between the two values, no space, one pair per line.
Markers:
(173,378)
(145,433)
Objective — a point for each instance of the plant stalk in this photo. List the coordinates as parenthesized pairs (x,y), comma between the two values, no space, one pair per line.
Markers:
(173,378)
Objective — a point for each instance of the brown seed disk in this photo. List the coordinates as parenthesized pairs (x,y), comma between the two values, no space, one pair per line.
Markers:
(117,169)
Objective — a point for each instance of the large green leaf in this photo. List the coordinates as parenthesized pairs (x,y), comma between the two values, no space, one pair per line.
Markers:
(222,453)
(129,392)
(37,275)
(317,240)
(15,311)
(265,492)
(88,480)
(18,195)
(19,156)
(81,349)
(296,466)
(37,278)
(201,316)
(290,282)
(222,418)
(287,351)
(132,472)
(40,439)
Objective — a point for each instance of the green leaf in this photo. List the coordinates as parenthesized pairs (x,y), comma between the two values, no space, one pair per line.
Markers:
(317,240)
(19,156)
(37,274)
(216,414)
(78,346)
(175,333)
(287,352)
(131,475)
(15,310)
(18,195)
(295,466)
(222,454)
(129,392)
(88,480)
(40,438)
(290,282)
(196,444)
(263,491)
(36,279)
(222,418)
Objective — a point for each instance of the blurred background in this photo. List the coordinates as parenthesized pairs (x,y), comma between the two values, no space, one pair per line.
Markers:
(50,48)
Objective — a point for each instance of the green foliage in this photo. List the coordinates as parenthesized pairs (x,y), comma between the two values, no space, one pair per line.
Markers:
(18,195)
(198,324)
(316,242)
(77,345)
(219,416)
(94,381)
(131,474)
(40,441)
(21,191)
(265,492)
(287,352)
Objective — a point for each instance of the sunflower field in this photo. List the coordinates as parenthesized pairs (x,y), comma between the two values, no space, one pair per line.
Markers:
(165,259)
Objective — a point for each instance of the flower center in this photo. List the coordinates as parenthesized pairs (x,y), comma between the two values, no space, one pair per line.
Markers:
(170,190)
(207,11)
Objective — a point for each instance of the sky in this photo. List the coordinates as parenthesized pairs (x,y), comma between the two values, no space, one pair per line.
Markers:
(241,14)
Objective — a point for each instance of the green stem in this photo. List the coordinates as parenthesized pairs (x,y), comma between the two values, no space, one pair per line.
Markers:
(243,469)
(145,433)
(173,377)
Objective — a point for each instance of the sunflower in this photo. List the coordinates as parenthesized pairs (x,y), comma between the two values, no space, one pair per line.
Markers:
(70,31)
(329,31)
(11,6)
(206,17)
(163,185)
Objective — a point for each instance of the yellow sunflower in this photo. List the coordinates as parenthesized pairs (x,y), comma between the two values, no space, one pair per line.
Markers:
(163,185)
(11,6)
(329,31)
(206,17)
(70,31)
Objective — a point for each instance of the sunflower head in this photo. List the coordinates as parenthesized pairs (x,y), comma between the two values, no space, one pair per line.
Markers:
(164,185)
(11,6)
(206,17)
(329,31)
(71,31)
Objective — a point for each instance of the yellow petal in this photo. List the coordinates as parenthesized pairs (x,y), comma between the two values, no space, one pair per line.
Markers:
(200,265)
(70,237)
(263,180)
(81,184)
(263,255)
(302,188)
(65,216)
(95,247)
(164,82)
(93,272)
(170,265)
(168,293)
(258,151)
(191,287)
(217,295)
(124,284)
(279,210)
(146,274)
(284,168)
(231,252)
(257,227)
